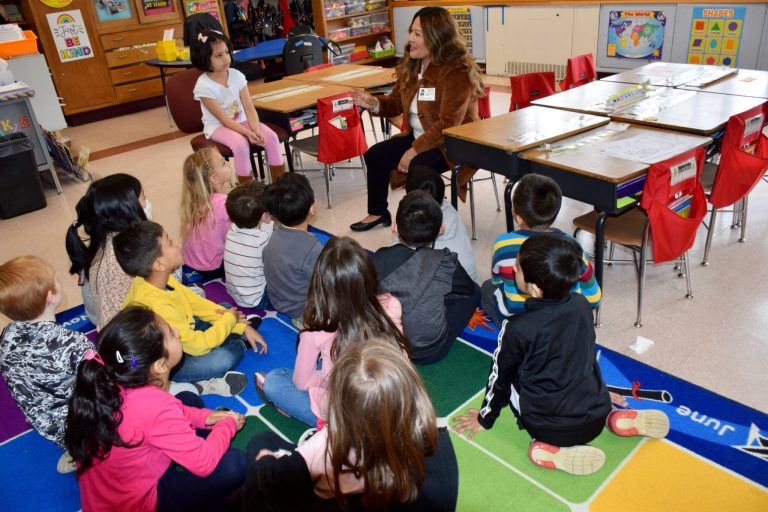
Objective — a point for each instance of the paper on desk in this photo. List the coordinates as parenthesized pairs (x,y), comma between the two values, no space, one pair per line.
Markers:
(649,148)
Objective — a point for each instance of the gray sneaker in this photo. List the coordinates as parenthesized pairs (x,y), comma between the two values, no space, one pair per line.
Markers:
(233,383)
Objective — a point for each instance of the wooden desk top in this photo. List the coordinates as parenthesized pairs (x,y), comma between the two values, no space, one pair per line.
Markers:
(686,111)
(589,160)
(666,74)
(588,99)
(522,129)
(286,96)
(351,75)
(747,82)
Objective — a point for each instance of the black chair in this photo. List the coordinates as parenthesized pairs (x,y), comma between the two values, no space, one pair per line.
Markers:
(301,52)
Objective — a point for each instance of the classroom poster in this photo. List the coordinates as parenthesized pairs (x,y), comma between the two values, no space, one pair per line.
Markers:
(111,10)
(716,35)
(636,34)
(70,35)
(463,19)
(199,6)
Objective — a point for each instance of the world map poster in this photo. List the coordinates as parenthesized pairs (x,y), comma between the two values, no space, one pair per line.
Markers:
(636,34)
(716,35)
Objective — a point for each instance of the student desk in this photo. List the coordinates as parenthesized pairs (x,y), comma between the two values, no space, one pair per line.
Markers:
(276,101)
(590,98)
(494,143)
(747,82)
(606,182)
(350,75)
(667,74)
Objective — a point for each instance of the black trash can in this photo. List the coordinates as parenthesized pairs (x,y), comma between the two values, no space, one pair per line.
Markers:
(20,187)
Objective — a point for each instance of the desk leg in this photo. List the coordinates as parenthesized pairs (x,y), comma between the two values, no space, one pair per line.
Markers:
(288,155)
(165,95)
(508,204)
(454,187)
(599,245)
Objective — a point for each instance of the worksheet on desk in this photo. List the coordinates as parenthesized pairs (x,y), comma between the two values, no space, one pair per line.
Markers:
(649,148)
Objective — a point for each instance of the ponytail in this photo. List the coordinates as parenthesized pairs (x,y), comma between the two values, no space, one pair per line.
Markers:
(127,348)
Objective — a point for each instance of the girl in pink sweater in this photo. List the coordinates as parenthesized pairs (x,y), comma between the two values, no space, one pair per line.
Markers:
(128,435)
(207,179)
(344,306)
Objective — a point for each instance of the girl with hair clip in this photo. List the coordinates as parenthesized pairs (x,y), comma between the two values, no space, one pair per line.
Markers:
(344,305)
(381,448)
(228,113)
(109,205)
(207,179)
(128,435)
(438,84)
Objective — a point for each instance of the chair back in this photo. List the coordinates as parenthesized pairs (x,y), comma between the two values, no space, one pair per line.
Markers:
(580,70)
(484,104)
(302,52)
(529,87)
(674,200)
(318,67)
(185,109)
(340,129)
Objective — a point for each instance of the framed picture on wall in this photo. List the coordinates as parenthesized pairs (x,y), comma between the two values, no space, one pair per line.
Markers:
(114,13)
(151,11)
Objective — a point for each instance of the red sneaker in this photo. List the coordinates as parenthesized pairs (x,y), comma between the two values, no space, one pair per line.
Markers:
(634,422)
(576,460)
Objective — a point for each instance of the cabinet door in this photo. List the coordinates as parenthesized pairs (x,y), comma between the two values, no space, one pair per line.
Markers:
(83,83)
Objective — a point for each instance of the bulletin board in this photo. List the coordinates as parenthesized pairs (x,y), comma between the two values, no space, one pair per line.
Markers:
(463,18)
(716,35)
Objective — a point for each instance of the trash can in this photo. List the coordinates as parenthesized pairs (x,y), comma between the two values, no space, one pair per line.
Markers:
(20,187)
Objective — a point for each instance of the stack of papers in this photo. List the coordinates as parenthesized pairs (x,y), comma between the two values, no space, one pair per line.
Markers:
(10,32)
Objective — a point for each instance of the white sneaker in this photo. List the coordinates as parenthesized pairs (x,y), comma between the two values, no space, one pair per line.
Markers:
(65,464)
(233,383)
(306,436)
(587,242)
(197,290)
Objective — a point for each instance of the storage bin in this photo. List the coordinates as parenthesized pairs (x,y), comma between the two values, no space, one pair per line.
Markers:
(359,25)
(373,5)
(379,22)
(340,59)
(166,50)
(182,53)
(339,34)
(355,6)
(347,48)
(380,54)
(21,47)
(334,9)
(20,188)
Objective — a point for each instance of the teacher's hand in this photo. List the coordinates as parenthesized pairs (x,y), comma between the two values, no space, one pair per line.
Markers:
(405,160)
(363,99)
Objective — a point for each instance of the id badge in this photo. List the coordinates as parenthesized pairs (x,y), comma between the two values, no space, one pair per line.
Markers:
(426,94)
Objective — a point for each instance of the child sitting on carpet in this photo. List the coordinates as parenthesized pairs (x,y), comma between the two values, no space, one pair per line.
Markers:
(212,336)
(344,306)
(454,233)
(246,239)
(536,203)
(381,448)
(546,370)
(437,295)
(292,251)
(38,357)
(207,179)
(129,436)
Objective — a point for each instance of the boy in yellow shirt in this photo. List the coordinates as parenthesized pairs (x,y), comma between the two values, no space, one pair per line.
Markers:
(213,338)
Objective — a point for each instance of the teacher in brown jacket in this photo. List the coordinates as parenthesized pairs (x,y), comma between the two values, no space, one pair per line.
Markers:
(437,87)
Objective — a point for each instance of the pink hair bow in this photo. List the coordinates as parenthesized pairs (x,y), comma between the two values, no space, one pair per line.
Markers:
(91,354)
(202,38)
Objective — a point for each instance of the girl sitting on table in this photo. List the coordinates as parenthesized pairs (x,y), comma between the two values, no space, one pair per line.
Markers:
(437,87)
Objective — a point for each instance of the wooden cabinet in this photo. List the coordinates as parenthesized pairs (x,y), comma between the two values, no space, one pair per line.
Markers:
(122,34)
(361,22)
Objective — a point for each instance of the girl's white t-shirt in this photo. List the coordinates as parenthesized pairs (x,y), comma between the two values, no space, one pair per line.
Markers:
(227,97)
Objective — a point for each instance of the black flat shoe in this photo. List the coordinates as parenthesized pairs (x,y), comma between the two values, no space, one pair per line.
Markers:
(384,220)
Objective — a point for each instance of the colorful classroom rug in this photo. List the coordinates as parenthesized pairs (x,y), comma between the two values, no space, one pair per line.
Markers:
(715,458)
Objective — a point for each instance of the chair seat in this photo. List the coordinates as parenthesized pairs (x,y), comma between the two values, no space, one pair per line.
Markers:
(626,229)
(200,141)
(282,135)
(309,145)
(708,176)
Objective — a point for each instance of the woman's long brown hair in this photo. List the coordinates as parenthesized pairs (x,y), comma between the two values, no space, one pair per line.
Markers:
(343,297)
(381,423)
(444,44)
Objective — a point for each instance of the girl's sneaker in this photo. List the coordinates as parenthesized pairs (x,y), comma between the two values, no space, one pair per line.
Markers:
(634,422)
(576,460)
(306,436)
(233,383)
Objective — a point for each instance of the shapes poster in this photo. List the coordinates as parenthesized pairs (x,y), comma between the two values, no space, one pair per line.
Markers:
(69,34)
(636,34)
(716,35)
